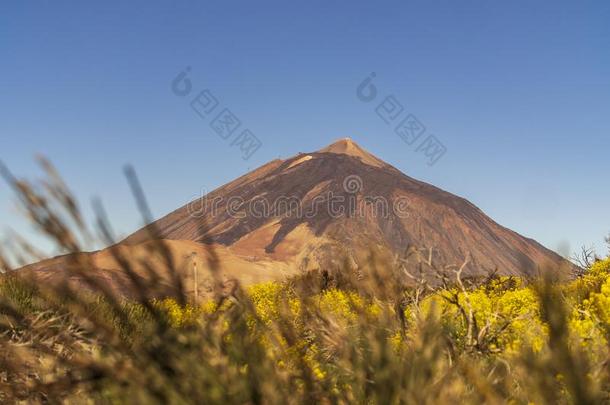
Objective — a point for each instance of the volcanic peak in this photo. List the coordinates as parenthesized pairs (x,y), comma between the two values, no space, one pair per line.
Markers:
(346,146)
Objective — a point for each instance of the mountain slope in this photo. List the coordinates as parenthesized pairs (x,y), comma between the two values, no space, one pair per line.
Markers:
(312,210)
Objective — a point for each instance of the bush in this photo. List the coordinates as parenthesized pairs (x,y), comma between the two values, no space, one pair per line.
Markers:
(377,339)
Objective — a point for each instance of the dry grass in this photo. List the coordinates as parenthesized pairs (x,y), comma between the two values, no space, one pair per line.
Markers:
(333,337)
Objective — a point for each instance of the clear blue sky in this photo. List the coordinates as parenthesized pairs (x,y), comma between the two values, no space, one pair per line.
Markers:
(518,92)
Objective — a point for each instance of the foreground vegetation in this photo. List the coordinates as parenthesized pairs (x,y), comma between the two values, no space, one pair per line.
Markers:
(503,341)
(409,331)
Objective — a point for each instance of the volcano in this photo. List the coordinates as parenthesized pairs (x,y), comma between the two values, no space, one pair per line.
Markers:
(316,210)
(303,210)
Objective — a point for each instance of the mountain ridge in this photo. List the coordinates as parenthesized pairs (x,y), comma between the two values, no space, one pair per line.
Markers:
(313,211)
(324,170)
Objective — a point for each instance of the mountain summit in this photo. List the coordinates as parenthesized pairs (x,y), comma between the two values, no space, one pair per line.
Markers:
(314,209)
(347,146)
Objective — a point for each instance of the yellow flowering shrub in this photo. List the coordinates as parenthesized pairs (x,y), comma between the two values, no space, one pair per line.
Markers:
(178,315)
(599,304)
(591,282)
(590,298)
(505,310)
(601,266)
(266,299)
(343,304)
